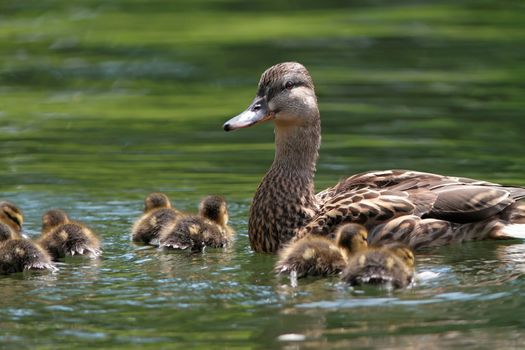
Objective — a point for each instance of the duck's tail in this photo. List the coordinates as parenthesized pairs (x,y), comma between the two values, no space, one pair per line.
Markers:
(514,231)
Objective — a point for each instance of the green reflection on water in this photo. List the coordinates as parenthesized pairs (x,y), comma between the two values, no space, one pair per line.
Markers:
(102,102)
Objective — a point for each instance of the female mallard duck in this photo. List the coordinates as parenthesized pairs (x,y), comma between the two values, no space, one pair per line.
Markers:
(440,209)
(208,229)
(389,265)
(62,237)
(158,213)
(18,254)
(315,255)
(12,216)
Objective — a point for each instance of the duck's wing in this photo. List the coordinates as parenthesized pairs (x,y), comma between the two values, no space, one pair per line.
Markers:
(395,180)
(366,206)
(468,203)
(400,180)
(418,233)
(376,197)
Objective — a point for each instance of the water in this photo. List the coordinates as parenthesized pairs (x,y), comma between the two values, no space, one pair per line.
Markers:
(103,102)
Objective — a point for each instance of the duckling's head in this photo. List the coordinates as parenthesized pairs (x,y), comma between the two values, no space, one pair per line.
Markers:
(215,209)
(285,95)
(5,232)
(156,200)
(11,215)
(352,237)
(404,253)
(52,218)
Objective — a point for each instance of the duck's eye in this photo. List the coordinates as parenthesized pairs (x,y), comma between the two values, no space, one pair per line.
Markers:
(289,85)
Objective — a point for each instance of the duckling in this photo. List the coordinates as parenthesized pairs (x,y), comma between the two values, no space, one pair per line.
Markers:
(208,229)
(62,237)
(388,265)
(404,253)
(17,254)
(158,212)
(12,216)
(319,256)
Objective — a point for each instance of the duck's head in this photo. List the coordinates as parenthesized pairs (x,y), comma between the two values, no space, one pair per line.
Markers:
(11,215)
(6,232)
(352,237)
(156,200)
(215,209)
(53,218)
(285,95)
(404,253)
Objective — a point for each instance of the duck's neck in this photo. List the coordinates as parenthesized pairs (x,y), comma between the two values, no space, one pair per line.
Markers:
(285,200)
(297,148)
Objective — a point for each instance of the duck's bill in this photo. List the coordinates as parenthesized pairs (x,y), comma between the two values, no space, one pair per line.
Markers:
(257,112)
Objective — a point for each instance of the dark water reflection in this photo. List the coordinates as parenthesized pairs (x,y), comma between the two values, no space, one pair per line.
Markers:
(104,102)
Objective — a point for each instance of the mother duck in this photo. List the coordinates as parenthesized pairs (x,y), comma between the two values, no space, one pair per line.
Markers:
(415,208)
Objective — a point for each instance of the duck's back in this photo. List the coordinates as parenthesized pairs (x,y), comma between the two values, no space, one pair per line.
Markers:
(456,205)
(17,255)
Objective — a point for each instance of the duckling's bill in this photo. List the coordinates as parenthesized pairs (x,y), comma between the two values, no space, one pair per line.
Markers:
(257,112)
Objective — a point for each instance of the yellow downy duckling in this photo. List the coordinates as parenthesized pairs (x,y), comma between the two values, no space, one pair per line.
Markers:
(158,213)
(62,237)
(389,265)
(196,232)
(320,256)
(12,216)
(17,254)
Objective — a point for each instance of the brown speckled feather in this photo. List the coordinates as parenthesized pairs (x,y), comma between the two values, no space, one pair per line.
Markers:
(364,206)
(457,205)
(419,233)
(281,216)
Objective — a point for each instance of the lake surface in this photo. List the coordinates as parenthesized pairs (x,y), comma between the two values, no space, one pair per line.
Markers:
(103,102)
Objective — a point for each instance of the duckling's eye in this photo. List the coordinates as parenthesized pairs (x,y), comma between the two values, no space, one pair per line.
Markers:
(289,85)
